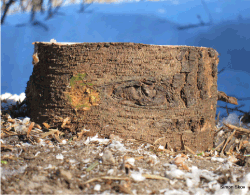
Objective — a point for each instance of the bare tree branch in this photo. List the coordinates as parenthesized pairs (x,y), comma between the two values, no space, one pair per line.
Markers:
(84,6)
(52,12)
(184,27)
(225,98)
(6,10)
(37,23)
(233,109)
(243,99)
(220,71)
(21,5)
(37,5)
(33,12)
(207,10)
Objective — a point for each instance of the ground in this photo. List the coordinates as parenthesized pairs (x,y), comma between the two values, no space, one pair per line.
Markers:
(112,166)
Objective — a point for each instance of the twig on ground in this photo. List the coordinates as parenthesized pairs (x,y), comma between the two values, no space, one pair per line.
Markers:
(107,177)
(191,151)
(215,149)
(237,128)
(228,139)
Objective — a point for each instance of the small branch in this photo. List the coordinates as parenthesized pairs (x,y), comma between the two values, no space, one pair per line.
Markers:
(243,99)
(6,10)
(221,70)
(225,98)
(41,6)
(237,128)
(108,178)
(233,109)
(21,5)
(221,144)
(192,26)
(228,139)
(40,24)
(84,6)
(188,149)
(207,10)
(52,12)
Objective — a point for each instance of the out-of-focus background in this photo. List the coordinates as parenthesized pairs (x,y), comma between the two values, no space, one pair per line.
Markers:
(221,24)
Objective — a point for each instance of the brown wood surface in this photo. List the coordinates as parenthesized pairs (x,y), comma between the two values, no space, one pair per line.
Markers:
(132,90)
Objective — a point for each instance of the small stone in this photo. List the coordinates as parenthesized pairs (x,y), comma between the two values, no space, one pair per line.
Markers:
(64,174)
(107,157)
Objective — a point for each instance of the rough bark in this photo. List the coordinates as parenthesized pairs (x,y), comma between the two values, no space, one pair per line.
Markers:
(133,90)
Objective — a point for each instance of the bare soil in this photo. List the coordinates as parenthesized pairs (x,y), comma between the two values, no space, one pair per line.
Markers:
(53,168)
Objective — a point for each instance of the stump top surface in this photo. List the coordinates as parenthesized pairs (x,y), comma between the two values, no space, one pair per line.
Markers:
(116,43)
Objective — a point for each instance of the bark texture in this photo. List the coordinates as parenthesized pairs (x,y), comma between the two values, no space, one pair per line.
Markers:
(133,90)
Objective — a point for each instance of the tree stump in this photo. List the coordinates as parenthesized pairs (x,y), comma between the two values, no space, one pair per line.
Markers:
(136,91)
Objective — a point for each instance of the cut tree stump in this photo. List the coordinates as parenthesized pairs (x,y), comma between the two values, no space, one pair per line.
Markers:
(136,91)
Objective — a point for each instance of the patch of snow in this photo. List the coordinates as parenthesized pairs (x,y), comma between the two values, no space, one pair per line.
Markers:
(118,146)
(173,192)
(232,118)
(49,167)
(72,161)
(110,171)
(86,160)
(137,176)
(64,141)
(59,156)
(131,161)
(218,159)
(95,138)
(26,120)
(175,174)
(97,187)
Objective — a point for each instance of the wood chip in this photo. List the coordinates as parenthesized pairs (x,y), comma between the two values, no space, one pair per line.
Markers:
(30,128)
(147,176)
(38,126)
(81,133)
(46,125)
(65,121)
(11,120)
(56,137)
(51,132)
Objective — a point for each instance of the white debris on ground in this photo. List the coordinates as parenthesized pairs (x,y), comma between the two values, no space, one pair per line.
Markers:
(59,156)
(137,176)
(233,119)
(8,99)
(197,181)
